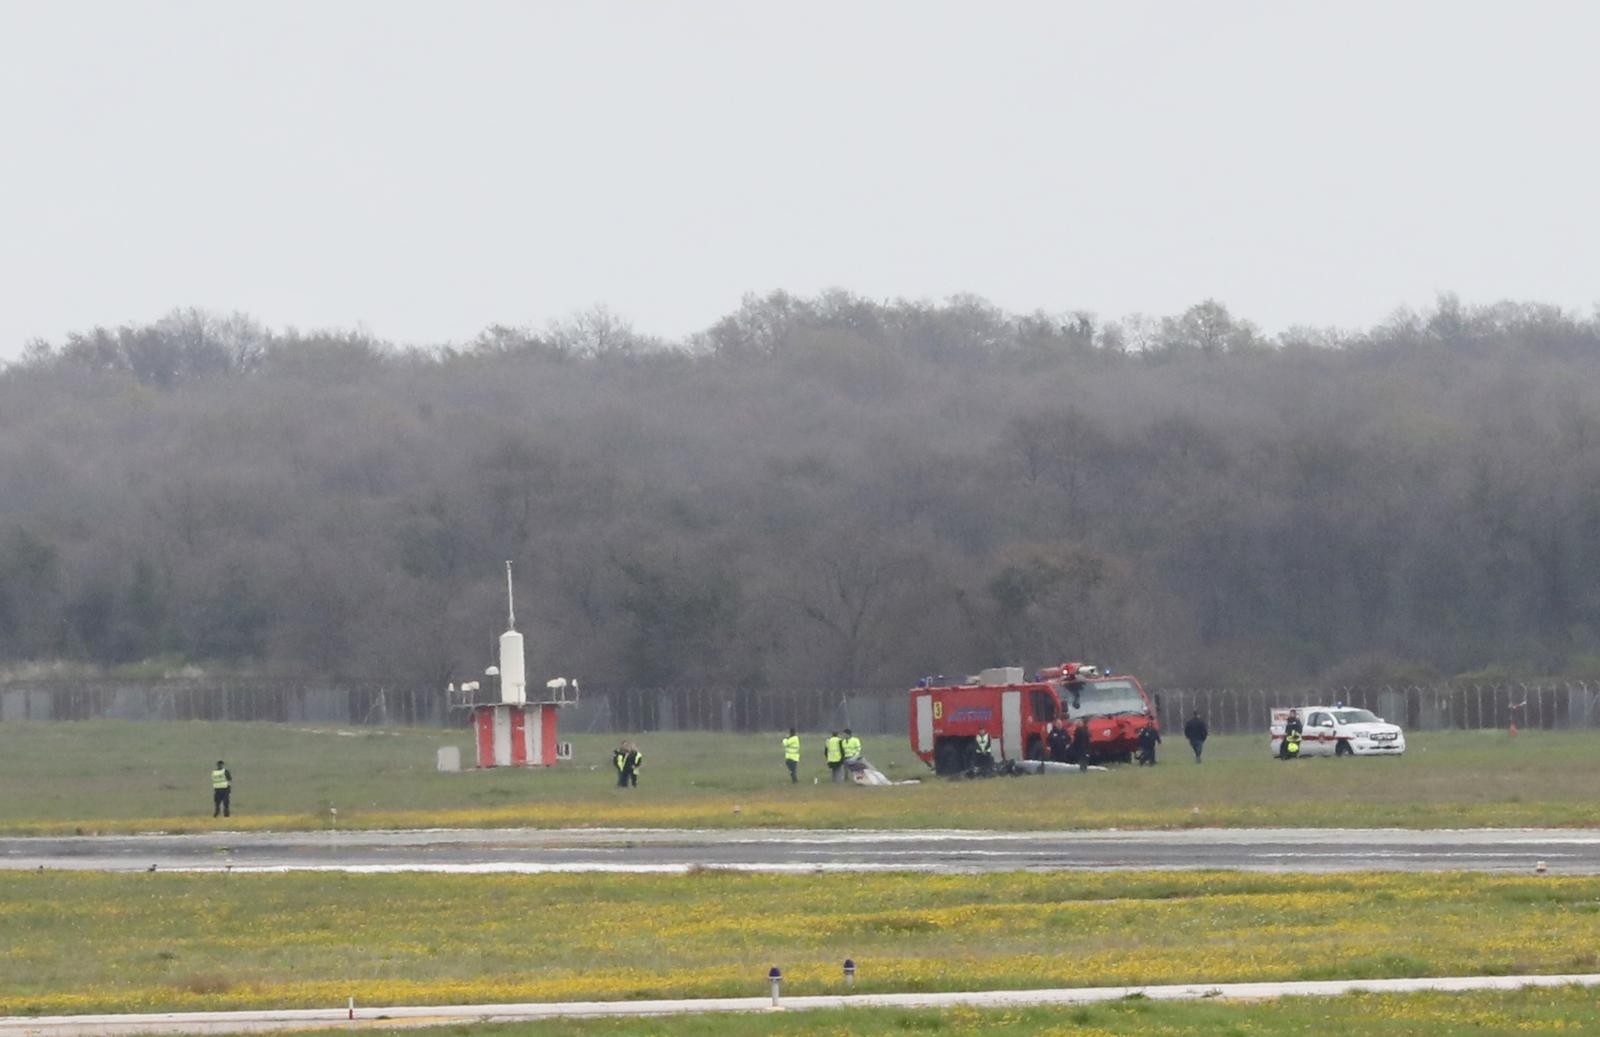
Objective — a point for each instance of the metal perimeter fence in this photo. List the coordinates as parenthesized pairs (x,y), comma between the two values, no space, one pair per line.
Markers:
(1566,704)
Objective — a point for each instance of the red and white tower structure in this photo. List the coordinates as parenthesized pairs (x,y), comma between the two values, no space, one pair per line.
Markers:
(517,732)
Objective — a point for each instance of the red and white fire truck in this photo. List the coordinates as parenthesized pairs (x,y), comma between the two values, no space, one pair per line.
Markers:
(1018,714)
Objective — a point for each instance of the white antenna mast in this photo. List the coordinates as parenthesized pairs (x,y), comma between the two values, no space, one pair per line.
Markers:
(511,602)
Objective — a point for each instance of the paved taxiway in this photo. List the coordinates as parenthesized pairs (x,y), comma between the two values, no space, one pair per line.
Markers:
(1564,851)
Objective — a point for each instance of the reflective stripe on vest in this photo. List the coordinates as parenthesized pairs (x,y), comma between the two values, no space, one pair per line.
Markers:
(791,748)
(219,779)
(984,743)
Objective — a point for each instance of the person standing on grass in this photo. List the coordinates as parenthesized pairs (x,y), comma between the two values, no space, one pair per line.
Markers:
(983,758)
(833,752)
(628,759)
(1195,730)
(1148,739)
(791,756)
(852,746)
(1293,730)
(1060,744)
(221,790)
(1080,745)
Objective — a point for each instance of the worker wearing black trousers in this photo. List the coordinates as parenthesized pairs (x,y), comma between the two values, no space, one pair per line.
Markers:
(1291,726)
(221,791)
(791,755)
(1080,745)
(628,759)
(833,752)
(1195,730)
(983,758)
(1148,738)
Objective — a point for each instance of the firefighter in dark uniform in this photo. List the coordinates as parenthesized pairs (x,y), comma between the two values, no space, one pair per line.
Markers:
(1291,727)
(984,759)
(1149,737)
(221,790)
(1195,730)
(1080,745)
(1060,743)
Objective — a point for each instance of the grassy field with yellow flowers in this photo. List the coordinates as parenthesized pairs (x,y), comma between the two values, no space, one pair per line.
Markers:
(1564,1010)
(87,942)
(117,776)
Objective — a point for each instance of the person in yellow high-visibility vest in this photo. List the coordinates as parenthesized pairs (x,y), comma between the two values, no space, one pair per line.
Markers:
(791,755)
(833,752)
(628,760)
(852,746)
(221,790)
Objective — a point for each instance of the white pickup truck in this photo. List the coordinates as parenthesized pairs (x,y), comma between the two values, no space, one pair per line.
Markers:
(1340,731)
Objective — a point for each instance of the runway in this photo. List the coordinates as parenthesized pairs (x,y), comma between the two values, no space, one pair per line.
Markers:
(1563,851)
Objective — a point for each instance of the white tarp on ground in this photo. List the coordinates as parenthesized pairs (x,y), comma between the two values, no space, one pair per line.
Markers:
(1052,767)
(864,773)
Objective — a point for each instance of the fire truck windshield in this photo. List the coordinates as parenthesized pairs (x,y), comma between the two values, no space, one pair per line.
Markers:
(1101,698)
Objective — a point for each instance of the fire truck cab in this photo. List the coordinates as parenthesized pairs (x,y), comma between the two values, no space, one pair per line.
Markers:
(1018,714)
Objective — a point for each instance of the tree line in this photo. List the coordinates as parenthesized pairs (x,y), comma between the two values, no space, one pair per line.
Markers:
(828,492)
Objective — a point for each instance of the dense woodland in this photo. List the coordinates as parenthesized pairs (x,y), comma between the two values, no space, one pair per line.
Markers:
(826,492)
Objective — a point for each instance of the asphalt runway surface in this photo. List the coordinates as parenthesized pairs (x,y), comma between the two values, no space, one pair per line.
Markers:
(1563,851)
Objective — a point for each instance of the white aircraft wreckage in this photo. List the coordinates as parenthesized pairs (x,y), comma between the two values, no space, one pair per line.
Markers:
(864,773)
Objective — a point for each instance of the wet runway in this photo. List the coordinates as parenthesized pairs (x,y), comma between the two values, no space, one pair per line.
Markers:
(1564,851)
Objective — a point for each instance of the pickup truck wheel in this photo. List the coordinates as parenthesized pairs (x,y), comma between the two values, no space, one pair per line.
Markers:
(1342,748)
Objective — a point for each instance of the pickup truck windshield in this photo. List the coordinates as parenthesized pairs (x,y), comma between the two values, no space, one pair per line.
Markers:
(1355,716)
(1101,698)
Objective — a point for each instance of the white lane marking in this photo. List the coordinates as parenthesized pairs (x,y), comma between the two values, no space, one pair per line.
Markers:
(531,868)
(399,1015)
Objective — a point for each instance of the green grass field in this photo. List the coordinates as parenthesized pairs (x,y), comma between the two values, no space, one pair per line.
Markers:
(1565,1010)
(83,942)
(122,776)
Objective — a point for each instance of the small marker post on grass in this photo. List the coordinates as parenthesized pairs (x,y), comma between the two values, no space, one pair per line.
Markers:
(775,979)
(352,1008)
(849,972)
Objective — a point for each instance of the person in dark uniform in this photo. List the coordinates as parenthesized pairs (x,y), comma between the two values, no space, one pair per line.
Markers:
(221,790)
(1080,745)
(1291,726)
(1149,738)
(1195,730)
(984,757)
(1060,744)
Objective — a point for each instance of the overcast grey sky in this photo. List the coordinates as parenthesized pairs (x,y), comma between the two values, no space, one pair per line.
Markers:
(426,169)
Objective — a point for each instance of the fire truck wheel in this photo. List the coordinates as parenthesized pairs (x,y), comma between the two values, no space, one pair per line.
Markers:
(947,759)
(1035,750)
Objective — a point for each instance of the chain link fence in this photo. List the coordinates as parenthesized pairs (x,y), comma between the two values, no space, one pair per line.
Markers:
(1566,704)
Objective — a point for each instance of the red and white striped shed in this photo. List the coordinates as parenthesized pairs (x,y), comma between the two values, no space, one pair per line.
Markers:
(510,735)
